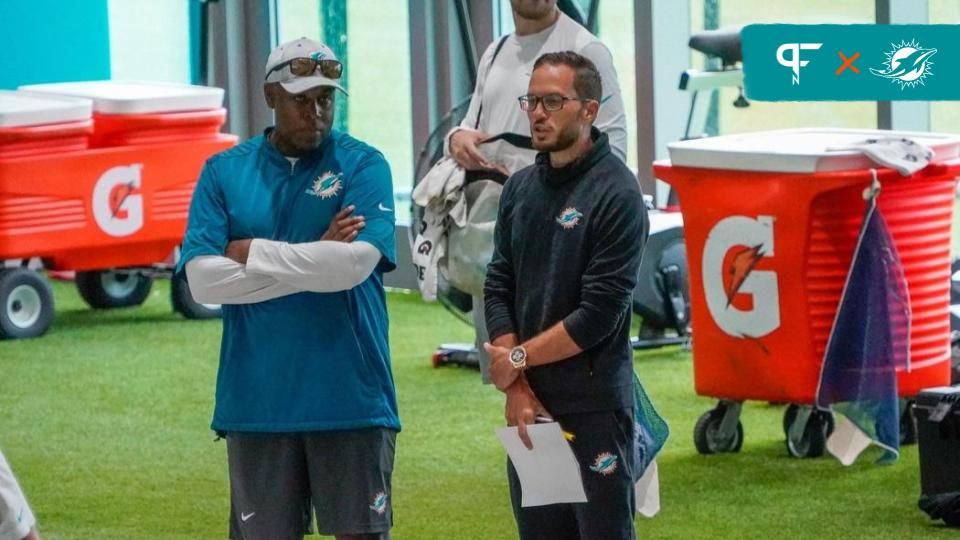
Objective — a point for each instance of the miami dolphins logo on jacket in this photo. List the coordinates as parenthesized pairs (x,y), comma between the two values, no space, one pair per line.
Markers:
(605,464)
(569,218)
(327,185)
(379,503)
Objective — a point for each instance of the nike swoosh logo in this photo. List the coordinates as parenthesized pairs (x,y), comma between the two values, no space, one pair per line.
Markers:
(384,208)
(245,517)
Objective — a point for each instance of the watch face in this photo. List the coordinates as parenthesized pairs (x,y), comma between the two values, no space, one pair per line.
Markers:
(517,356)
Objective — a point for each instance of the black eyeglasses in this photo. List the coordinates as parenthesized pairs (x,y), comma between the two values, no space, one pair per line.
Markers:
(551,102)
(302,67)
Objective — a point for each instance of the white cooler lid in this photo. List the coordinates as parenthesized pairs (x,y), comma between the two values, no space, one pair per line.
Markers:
(136,97)
(797,150)
(18,109)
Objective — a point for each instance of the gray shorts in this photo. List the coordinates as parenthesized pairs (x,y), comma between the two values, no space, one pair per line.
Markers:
(343,475)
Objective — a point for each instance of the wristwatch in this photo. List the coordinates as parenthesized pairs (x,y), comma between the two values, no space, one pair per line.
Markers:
(518,357)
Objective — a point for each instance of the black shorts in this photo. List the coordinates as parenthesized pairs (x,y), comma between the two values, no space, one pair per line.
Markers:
(603,445)
(276,478)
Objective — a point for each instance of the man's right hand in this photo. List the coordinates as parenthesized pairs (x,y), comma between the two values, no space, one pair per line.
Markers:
(344,228)
(522,409)
(463,149)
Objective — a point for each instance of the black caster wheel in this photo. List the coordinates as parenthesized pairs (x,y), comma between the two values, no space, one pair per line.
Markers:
(106,289)
(813,442)
(709,439)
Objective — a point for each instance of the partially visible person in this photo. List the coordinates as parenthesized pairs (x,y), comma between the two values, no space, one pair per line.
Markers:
(502,75)
(16,519)
(568,243)
(540,27)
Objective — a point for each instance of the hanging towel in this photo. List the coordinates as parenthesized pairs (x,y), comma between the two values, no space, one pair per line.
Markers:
(868,343)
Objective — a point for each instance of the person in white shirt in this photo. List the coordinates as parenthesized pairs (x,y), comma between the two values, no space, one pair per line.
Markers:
(16,519)
(502,77)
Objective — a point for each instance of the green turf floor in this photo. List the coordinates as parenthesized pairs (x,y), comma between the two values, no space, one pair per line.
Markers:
(106,421)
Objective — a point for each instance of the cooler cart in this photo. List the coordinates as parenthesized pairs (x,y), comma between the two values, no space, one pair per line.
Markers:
(771,222)
(114,212)
(130,113)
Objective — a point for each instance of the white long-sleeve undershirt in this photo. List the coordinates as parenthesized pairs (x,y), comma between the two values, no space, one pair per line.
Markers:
(276,269)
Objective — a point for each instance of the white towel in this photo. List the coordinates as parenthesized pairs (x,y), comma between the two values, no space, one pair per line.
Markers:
(440,194)
(904,155)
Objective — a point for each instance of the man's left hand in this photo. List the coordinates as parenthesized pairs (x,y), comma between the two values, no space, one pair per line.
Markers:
(522,410)
(238,250)
(343,227)
(502,372)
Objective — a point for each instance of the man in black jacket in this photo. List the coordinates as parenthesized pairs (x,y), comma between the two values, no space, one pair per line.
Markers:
(568,242)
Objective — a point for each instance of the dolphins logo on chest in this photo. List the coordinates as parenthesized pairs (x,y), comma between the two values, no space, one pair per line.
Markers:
(327,185)
(569,218)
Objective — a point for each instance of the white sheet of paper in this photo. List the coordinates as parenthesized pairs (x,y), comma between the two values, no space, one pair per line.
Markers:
(847,442)
(550,473)
(647,490)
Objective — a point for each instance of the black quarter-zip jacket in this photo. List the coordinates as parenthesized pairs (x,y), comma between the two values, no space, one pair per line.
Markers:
(568,243)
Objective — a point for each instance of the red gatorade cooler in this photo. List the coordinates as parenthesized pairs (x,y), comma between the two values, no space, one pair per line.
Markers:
(771,222)
(132,113)
(114,211)
(32,125)
(124,201)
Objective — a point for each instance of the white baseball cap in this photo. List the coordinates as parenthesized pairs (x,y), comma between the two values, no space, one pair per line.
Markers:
(278,69)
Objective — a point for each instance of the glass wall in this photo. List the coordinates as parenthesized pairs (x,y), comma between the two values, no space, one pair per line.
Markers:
(945,115)
(298,18)
(503,15)
(379,84)
(150,40)
(615,28)
(776,115)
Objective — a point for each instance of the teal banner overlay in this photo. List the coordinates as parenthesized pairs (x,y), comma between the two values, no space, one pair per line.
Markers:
(863,62)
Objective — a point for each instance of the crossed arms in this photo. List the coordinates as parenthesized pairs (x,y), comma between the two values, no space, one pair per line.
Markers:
(257,270)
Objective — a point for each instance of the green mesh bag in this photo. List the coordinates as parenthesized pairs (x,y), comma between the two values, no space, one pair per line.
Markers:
(650,429)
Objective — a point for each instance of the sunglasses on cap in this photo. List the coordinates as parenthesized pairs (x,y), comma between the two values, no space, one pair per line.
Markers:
(303,67)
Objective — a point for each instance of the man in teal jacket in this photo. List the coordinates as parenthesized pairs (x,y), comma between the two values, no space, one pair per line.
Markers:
(305,394)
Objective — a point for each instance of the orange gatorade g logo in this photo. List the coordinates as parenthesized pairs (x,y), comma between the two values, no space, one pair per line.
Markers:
(743,301)
(117,201)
